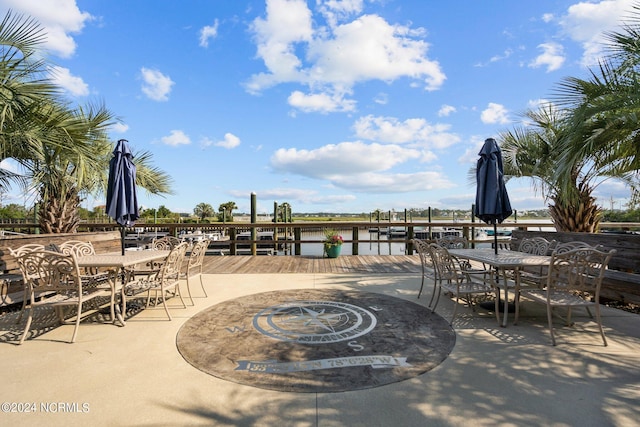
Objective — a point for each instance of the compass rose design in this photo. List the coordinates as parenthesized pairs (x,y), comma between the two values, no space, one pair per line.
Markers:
(314,322)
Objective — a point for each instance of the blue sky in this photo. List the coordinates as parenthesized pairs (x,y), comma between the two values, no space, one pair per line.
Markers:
(329,105)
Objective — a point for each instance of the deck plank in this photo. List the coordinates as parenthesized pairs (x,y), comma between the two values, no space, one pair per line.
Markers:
(263,264)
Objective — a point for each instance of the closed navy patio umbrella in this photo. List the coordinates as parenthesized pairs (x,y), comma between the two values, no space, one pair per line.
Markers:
(492,200)
(122,200)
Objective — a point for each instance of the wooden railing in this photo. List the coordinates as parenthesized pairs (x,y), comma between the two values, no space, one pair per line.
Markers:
(296,233)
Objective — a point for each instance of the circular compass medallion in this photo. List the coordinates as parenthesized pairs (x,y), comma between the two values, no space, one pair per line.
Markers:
(314,322)
(316,340)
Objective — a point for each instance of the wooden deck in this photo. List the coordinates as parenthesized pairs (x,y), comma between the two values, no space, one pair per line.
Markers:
(361,264)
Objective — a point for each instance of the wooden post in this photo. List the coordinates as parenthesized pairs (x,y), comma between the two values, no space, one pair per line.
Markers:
(275,226)
(354,244)
(297,235)
(254,220)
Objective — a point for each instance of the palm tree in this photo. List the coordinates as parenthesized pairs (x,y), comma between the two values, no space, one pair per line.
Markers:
(591,134)
(65,151)
(533,152)
(203,210)
(605,119)
(226,211)
(23,89)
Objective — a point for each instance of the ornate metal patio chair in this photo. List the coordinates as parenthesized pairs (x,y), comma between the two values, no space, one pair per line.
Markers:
(16,253)
(167,279)
(573,281)
(534,276)
(56,277)
(165,243)
(428,269)
(193,266)
(451,278)
(91,276)
(460,242)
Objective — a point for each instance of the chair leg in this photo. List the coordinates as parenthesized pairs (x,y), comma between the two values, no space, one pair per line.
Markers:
(25,298)
(422,286)
(589,312)
(189,290)
(177,290)
(599,320)
(517,315)
(550,320)
(164,303)
(27,326)
(455,309)
(202,286)
(77,326)
(436,290)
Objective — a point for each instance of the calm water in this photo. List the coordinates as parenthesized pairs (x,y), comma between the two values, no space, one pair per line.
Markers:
(364,248)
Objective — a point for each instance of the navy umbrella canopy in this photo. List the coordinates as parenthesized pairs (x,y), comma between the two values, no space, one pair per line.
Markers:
(122,200)
(492,200)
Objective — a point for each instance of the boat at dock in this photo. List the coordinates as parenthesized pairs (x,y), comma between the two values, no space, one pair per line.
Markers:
(436,233)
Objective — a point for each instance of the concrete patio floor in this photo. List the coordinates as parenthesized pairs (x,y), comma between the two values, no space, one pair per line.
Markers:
(135,376)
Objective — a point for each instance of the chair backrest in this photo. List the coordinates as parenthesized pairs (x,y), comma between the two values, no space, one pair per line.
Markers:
(422,247)
(198,251)
(570,246)
(24,249)
(77,248)
(50,271)
(453,242)
(536,245)
(165,243)
(444,264)
(578,270)
(172,266)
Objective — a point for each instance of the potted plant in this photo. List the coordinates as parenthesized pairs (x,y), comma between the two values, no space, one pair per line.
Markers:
(332,243)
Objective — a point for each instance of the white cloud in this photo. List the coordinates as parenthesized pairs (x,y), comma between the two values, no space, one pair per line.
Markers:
(393,183)
(288,22)
(359,167)
(336,10)
(177,137)
(417,132)
(346,158)
(208,32)
(230,141)
(60,19)
(552,57)
(72,84)
(119,127)
(333,60)
(587,22)
(381,98)
(156,85)
(495,113)
(446,110)
(321,102)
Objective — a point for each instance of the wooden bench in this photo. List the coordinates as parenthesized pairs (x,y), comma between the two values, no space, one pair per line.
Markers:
(622,279)
(11,291)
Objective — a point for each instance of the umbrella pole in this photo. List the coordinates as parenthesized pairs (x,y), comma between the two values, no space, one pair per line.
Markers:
(495,237)
(122,238)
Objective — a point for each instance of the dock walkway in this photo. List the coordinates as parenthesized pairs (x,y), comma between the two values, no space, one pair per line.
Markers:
(260,264)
